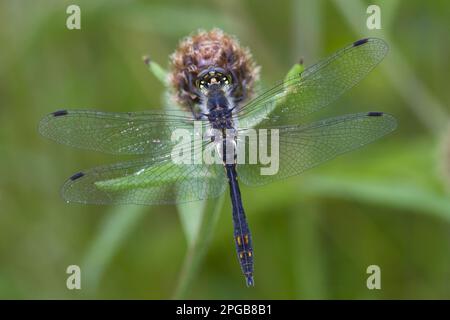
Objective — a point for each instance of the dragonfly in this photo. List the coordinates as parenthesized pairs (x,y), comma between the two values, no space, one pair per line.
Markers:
(154,178)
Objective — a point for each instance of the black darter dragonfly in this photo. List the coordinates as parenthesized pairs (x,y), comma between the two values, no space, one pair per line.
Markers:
(156,179)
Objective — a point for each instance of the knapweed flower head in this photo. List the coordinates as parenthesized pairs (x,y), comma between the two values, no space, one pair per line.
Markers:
(210,49)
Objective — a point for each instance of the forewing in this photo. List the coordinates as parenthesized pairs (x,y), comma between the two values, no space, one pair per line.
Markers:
(315,88)
(146,133)
(306,146)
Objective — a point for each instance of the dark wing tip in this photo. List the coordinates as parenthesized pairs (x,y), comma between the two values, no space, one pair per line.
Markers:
(76,176)
(375,114)
(360,42)
(46,122)
(389,120)
(59,113)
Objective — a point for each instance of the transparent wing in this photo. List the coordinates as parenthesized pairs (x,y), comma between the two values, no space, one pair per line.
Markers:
(146,181)
(303,147)
(116,133)
(316,87)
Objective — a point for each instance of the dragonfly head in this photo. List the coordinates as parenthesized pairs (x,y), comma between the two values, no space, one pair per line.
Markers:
(215,85)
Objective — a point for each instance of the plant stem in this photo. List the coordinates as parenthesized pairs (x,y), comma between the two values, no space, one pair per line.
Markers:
(198,247)
(308,260)
(116,226)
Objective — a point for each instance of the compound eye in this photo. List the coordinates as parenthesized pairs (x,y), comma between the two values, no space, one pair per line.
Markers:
(212,77)
(201,84)
(223,79)
(228,79)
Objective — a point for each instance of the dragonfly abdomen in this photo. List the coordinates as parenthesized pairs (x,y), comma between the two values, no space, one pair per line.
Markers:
(242,236)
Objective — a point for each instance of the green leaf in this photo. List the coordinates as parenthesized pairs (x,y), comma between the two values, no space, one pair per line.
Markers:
(159,72)
(191,216)
(261,114)
(401,177)
(113,231)
(152,176)
(296,69)
(401,195)
(199,246)
(148,177)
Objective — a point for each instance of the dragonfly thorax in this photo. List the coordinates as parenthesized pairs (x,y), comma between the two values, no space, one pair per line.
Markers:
(219,114)
(216,98)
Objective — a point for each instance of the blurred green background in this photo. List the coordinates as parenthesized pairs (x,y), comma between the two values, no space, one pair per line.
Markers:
(314,235)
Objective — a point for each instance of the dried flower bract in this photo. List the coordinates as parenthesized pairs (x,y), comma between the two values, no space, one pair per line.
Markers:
(206,49)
